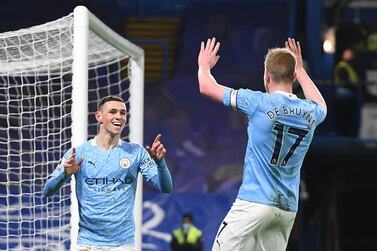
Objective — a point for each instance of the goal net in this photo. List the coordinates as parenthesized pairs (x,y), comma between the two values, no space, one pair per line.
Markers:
(51,79)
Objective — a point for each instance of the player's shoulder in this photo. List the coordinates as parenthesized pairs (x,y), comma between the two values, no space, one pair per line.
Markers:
(315,109)
(249,95)
(87,145)
(246,91)
(313,104)
(129,146)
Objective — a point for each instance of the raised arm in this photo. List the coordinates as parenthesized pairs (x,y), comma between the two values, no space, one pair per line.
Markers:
(311,92)
(207,59)
(62,174)
(157,151)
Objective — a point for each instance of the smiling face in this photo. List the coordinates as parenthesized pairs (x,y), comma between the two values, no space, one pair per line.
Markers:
(112,117)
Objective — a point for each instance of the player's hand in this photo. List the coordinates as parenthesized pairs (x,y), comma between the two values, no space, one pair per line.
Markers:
(208,54)
(70,165)
(157,150)
(295,47)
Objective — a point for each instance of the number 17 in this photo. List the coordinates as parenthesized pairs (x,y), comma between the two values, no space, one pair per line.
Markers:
(279,128)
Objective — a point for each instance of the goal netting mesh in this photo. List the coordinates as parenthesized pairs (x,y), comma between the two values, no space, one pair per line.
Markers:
(35,125)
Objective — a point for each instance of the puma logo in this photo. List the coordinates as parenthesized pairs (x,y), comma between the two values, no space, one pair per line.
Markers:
(90,162)
(218,243)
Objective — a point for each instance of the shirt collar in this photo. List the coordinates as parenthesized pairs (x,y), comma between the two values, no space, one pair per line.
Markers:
(290,95)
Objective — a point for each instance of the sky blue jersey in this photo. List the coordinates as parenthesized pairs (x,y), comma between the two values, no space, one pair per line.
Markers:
(105,189)
(280,129)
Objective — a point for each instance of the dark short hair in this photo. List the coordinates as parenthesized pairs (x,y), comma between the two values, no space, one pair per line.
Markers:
(107,99)
(188,216)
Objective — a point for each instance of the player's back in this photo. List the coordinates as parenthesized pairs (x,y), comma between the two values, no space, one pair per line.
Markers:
(280,131)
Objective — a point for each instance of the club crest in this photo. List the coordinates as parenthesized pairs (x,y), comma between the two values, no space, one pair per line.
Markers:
(124,163)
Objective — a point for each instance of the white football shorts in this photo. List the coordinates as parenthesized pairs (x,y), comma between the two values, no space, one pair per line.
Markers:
(250,226)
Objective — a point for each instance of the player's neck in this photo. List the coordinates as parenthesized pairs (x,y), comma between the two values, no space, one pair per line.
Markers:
(106,141)
(280,87)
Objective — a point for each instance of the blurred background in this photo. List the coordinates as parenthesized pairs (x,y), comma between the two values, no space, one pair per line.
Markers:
(206,142)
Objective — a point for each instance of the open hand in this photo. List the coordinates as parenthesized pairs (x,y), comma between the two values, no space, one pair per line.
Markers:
(207,56)
(157,150)
(70,165)
(295,47)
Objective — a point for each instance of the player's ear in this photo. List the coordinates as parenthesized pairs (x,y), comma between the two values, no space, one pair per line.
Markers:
(294,77)
(267,76)
(99,117)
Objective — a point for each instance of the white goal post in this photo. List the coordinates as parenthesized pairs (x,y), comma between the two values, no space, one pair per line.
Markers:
(51,79)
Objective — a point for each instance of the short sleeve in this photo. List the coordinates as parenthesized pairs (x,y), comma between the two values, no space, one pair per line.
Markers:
(59,170)
(243,100)
(148,166)
(319,112)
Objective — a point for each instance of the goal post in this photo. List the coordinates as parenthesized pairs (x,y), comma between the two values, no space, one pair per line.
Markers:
(83,22)
(51,79)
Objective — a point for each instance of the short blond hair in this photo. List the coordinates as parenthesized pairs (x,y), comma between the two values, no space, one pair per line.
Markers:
(281,64)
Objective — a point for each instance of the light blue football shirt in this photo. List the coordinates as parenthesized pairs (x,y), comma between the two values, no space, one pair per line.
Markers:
(105,189)
(280,129)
